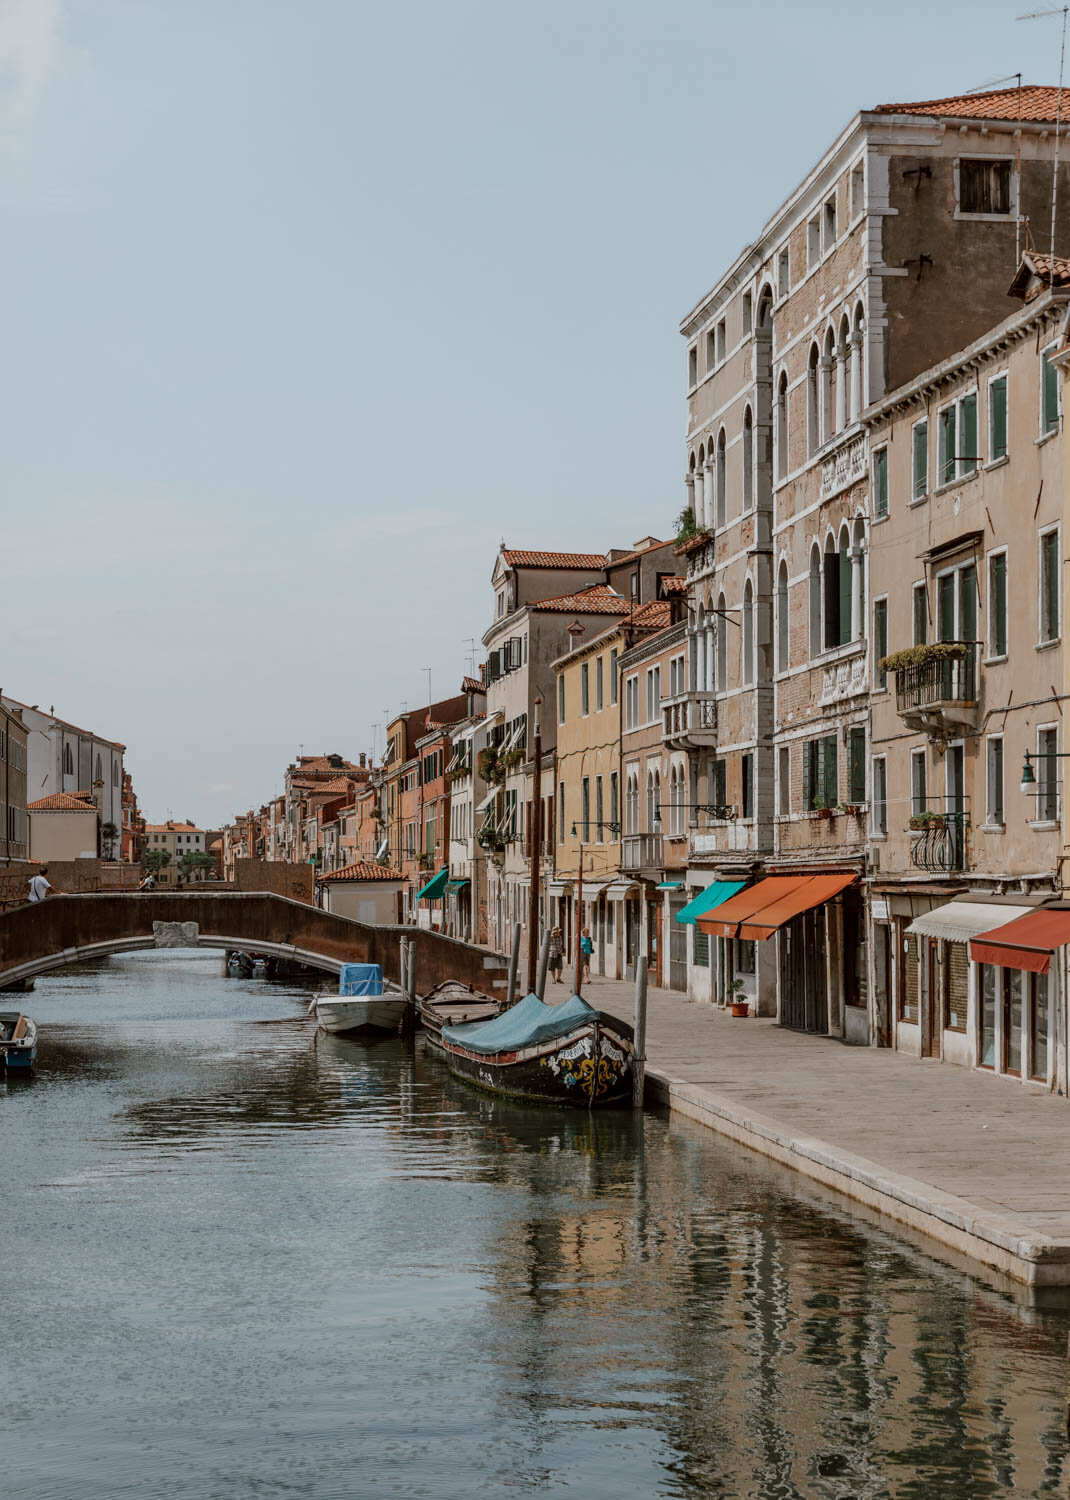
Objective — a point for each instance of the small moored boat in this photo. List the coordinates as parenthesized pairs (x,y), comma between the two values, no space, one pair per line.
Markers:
(364,1000)
(453,1004)
(18,1040)
(554,1054)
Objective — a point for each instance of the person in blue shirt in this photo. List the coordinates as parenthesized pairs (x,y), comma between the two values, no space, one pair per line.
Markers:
(586,949)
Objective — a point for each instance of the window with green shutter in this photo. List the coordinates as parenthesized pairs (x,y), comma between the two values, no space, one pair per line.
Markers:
(921,615)
(997,604)
(856,765)
(880,641)
(968,434)
(880,483)
(947,445)
(1049,586)
(920,460)
(830,781)
(997,419)
(1049,392)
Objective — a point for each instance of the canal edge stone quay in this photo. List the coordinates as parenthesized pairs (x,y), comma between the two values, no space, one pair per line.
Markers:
(978,1165)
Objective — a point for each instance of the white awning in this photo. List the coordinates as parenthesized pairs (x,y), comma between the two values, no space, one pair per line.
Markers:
(487,800)
(618,889)
(959,921)
(591,888)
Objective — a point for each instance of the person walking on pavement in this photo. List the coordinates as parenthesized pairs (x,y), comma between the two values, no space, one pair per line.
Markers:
(556,954)
(586,949)
(40,885)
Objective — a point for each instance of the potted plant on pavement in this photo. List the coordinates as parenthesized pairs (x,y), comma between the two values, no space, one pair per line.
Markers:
(737,998)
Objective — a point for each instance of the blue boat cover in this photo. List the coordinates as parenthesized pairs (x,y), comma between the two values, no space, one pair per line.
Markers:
(529,1022)
(360,979)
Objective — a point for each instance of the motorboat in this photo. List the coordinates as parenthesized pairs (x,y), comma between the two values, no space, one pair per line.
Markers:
(364,1000)
(550,1054)
(452,1003)
(18,1040)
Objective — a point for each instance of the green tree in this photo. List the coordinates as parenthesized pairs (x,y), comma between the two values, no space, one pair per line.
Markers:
(155,860)
(195,863)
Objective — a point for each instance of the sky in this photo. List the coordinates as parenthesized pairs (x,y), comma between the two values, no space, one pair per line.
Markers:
(309,306)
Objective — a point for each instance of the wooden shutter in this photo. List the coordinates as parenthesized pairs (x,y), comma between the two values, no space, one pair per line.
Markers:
(809,758)
(998,604)
(856,746)
(968,437)
(911,959)
(830,772)
(997,418)
(921,460)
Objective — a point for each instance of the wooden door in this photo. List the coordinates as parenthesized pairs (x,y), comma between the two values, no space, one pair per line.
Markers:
(930,1000)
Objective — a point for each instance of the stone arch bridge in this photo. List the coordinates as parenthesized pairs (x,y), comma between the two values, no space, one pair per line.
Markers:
(72,928)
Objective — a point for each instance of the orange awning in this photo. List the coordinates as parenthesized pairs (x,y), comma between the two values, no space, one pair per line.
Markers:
(1026,943)
(756,913)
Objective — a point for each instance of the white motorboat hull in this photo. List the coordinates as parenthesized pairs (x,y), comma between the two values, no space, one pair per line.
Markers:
(337,1014)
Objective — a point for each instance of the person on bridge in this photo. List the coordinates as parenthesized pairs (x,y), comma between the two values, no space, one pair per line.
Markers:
(40,886)
(149,883)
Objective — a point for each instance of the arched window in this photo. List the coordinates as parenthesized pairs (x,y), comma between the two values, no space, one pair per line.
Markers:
(782,618)
(721,445)
(837,592)
(748,458)
(68,761)
(699,666)
(813,400)
(672,800)
(782,425)
(858,364)
(631,804)
(843,370)
(722,646)
(653,801)
(858,580)
(694,490)
(815,601)
(828,399)
(748,633)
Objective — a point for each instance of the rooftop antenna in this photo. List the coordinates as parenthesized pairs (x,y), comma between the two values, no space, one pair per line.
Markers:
(1037,15)
(470,642)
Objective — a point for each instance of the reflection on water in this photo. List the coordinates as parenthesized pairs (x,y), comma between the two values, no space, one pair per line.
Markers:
(245,1260)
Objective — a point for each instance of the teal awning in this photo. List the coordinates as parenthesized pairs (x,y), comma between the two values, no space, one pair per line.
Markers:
(435,888)
(452,886)
(706,900)
(669,885)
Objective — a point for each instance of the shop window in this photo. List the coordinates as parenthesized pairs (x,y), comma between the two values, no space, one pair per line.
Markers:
(956,974)
(745,962)
(908,990)
(1038,1026)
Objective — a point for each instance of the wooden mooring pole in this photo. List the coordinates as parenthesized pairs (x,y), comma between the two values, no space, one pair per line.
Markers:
(544,963)
(514,964)
(639,1043)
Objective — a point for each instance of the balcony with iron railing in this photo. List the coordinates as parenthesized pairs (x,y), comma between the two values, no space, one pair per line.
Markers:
(689,721)
(936,686)
(641,851)
(938,841)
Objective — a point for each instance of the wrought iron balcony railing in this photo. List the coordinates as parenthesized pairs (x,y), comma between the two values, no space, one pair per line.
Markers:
(939,688)
(938,841)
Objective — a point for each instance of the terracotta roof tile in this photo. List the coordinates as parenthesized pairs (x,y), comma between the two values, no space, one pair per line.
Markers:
(1037,273)
(674,584)
(60,802)
(1033,101)
(598,599)
(522,559)
(473,685)
(655,615)
(363,871)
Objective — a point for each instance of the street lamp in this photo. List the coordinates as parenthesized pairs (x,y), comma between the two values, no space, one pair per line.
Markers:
(1028,785)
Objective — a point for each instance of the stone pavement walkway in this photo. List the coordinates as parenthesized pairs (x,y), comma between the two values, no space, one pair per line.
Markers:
(980,1162)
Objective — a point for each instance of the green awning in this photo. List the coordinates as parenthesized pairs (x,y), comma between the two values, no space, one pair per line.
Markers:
(669,885)
(452,886)
(706,900)
(435,887)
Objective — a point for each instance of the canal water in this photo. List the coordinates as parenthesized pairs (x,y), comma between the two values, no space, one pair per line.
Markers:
(241,1260)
